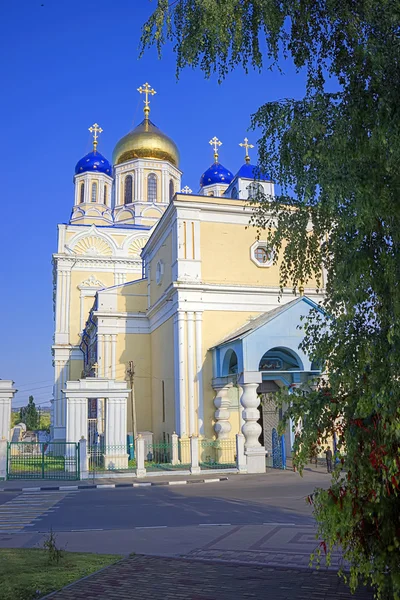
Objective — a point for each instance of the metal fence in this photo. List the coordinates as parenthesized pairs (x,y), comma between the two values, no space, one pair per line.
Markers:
(102,458)
(217,454)
(163,456)
(43,460)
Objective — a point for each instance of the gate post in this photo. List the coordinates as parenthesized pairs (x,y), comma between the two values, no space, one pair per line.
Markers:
(83,467)
(140,469)
(194,454)
(241,462)
(3,458)
(175,449)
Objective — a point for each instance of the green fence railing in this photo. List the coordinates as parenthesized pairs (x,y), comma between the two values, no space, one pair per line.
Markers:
(163,456)
(102,458)
(42,460)
(217,454)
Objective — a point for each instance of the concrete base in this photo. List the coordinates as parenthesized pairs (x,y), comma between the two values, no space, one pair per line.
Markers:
(116,461)
(195,470)
(256,459)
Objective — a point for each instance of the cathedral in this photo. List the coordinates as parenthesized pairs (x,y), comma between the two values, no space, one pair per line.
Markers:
(167,310)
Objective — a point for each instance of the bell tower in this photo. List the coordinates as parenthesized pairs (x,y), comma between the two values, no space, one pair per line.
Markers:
(93,187)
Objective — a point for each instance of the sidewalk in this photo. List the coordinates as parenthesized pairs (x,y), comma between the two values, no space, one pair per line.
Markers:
(40,485)
(148,577)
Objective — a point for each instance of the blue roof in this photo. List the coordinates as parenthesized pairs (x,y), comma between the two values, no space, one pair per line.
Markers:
(94,161)
(216,174)
(248,171)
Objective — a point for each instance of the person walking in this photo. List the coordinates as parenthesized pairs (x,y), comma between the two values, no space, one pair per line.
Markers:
(329,456)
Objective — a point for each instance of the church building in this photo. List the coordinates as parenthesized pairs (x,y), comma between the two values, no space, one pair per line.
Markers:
(167,310)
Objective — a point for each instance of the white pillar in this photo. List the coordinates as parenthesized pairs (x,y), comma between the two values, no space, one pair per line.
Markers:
(116,456)
(113,354)
(222,402)
(180,373)
(175,449)
(240,455)
(3,458)
(6,395)
(83,459)
(194,454)
(199,372)
(77,415)
(140,469)
(190,371)
(250,401)
(100,354)
(107,348)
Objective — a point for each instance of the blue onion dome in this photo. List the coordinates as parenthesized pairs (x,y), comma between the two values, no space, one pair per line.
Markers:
(248,171)
(95,162)
(216,174)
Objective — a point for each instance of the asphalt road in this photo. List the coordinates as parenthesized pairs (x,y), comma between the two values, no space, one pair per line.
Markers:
(272,498)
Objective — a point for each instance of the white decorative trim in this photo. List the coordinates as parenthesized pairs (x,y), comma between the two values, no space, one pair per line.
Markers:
(261,244)
(91,282)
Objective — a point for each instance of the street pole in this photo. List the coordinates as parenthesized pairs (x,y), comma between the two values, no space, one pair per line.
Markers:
(131,373)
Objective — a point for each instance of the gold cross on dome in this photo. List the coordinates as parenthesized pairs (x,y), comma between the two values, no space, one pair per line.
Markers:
(147,90)
(215,143)
(247,146)
(95,129)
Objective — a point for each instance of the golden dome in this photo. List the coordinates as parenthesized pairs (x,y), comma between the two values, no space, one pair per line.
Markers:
(146,141)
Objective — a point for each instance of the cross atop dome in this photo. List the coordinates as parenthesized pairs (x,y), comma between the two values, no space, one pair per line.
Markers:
(215,142)
(147,90)
(95,129)
(246,145)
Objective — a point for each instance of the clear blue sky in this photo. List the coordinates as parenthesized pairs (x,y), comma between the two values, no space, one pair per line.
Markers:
(64,66)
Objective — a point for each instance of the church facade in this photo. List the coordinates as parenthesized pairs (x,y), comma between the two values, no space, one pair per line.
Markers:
(172,292)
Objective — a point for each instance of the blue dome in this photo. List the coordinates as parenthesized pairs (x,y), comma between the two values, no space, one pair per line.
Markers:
(216,174)
(94,161)
(248,171)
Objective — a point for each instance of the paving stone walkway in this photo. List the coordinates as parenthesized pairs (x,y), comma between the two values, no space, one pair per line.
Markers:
(149,577)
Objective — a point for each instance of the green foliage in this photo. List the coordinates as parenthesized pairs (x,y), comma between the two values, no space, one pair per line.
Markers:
(29,415)
(336,156)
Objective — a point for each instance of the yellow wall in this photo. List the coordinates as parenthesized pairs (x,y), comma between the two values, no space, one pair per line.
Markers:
(162,360)
(137,348)
(164,254)
(132,297)
(77,277)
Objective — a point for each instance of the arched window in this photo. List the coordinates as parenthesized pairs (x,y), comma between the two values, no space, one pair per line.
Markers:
(82,193)
(151,188)
(128,195)
(94,192)
(171,189)
(255,190)
(105,194)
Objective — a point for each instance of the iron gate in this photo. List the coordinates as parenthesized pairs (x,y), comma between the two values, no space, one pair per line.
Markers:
(278,451)
(42,460)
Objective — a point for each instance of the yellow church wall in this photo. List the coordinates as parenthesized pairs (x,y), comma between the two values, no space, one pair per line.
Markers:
(77,277)
(231,243)
(164,254)
(138,349)
(216,325)
(162,360)
(132,297)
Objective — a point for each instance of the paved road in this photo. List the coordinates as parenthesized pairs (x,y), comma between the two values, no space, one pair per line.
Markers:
(155,578)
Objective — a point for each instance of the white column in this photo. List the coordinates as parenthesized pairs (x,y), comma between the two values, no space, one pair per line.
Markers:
(83,459)
(180,373)
(250,401)
(3,458)
(136,186)
(199,372)
(107,365)
(67,299)
(6,395)
(190,371)
(194,454)
(113,354)
(140,469)
(77,414)
(175,449)
(116,456)
(222,402)
(58,300)
(100,354)
(141,186)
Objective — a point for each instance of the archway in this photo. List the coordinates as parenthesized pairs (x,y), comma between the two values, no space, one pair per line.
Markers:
(230,363)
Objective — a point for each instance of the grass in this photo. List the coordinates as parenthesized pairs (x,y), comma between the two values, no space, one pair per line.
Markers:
(26,573)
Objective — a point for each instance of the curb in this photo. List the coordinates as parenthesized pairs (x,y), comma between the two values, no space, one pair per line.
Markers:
(68,488)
